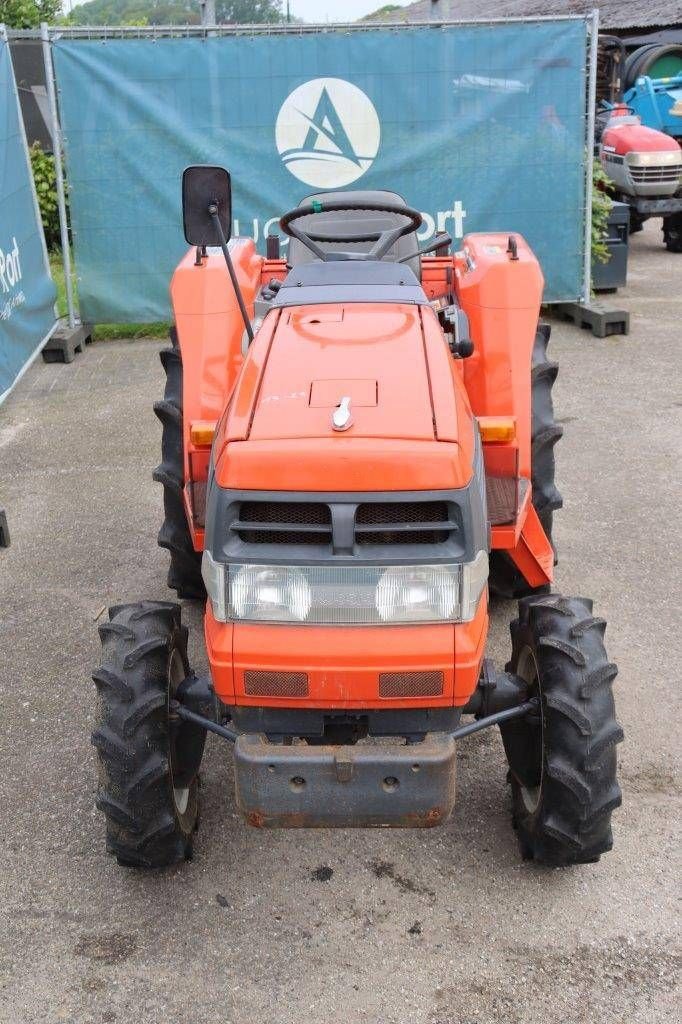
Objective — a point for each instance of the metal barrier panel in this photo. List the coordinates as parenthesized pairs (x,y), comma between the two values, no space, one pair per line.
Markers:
(480,126)
(27,293)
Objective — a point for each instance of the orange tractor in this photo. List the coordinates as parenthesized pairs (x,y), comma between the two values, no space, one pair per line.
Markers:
(357,443)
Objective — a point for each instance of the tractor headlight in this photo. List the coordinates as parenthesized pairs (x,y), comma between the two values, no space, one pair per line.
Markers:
(269,593)
(425,593)
(362,595)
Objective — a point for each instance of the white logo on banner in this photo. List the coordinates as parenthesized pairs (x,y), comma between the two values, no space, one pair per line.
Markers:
(10,267)
(328,133)
(10,277)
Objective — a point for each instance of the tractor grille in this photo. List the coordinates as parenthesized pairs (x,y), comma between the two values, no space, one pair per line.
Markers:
(410,684)
(258,683)
(284,522)
(413,522)
(340,526)
(658,174)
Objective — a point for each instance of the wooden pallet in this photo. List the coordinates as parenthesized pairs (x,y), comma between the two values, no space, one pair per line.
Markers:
(593,316)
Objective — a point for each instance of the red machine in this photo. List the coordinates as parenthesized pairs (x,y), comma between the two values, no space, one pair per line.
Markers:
(645,166)
(351,437)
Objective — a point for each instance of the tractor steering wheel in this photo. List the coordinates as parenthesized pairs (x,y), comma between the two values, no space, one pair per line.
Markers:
(383,240)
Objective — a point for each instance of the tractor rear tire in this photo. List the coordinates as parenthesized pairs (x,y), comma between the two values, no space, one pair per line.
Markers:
(148,766)
(672,232)
(184,573)
(505,578)
(562,759)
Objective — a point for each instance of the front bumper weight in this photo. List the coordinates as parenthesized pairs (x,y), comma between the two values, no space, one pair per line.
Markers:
(657,207)
(364,786)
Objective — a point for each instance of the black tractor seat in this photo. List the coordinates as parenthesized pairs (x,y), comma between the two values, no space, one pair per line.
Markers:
(346,223)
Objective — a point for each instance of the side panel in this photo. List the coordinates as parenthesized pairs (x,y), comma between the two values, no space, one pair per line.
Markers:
(210,331)
(501,296)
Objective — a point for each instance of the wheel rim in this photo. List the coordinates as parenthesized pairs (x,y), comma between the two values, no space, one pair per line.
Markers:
(528,670)
(176,673)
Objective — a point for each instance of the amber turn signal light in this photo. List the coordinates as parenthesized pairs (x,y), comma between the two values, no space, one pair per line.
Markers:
(201,433)
(497,429)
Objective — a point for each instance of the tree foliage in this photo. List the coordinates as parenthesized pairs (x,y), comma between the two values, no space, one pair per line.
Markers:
(382,12)
(249,12)
(172,12)
(45,177)
(28,13)
(602,204)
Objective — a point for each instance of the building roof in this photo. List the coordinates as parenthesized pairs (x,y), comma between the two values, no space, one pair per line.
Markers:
(613,14)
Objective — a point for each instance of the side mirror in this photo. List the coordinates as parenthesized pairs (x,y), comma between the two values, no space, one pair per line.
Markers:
(203,187)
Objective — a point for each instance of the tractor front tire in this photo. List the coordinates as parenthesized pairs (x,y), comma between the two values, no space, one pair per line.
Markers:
(562,758)
(148,765)
(184,573)
(505,579)
(636,221)
(672,232)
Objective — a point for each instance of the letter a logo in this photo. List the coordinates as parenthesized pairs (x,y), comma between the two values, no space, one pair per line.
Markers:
(328,133)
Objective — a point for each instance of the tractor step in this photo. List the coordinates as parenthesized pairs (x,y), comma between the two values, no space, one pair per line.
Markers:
(533,555)
(66,341)
(595,317)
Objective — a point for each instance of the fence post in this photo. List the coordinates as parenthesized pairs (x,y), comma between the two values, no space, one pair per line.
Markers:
(208,19)
(56,132)
(593,23)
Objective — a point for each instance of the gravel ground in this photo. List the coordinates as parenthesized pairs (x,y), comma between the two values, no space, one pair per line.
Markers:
(442,927)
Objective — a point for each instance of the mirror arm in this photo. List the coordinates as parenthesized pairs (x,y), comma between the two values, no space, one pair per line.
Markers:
(213,210)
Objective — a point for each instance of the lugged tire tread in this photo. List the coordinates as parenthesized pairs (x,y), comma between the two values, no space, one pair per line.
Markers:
(168,412)
(564,647)
(117,812)
(103,677)
(143,648)
(570,709)
(156,769)
(115,629)
(168,609)
(143,710)
(557,830)
(579,788)
(603,675)
(165,476)
(106,741)
(547,373)
(184,572)
(505,579)
(550,435)
(611,736)
(115,610)
(611,802)
(570,778)
(593,622)
(132,738)
(555,603)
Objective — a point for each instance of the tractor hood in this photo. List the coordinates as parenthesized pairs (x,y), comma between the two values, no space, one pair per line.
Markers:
(369,356)
(636,138)
(410,423)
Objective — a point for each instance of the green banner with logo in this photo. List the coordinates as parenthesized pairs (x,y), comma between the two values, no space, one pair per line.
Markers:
(27,293)
(481,127)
